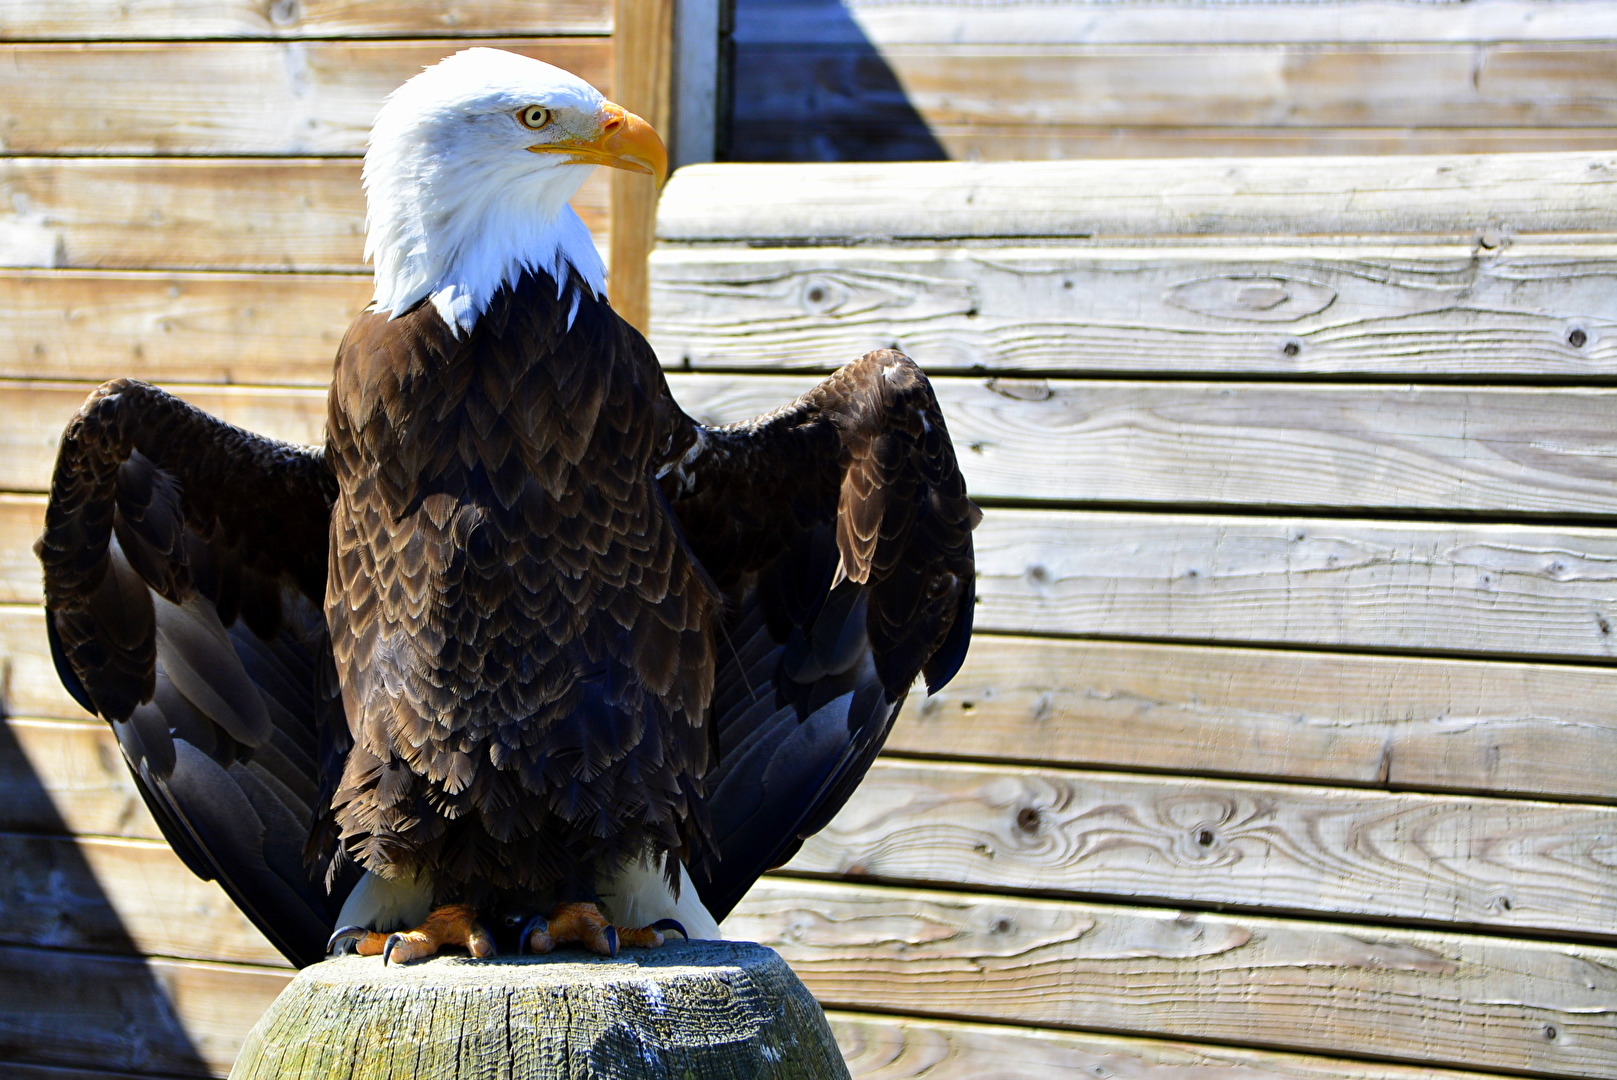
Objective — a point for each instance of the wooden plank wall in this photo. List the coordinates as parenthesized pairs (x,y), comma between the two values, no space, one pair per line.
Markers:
(181,202)
(1285,746)
(901,80)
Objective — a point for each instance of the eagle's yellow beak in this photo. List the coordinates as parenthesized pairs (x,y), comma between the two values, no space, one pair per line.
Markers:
(625,142)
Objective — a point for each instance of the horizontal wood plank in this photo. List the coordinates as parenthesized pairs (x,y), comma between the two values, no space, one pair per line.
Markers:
(900,1048)
(68,776)
(132,897)
(1485,589)
(218,214)
(124,1013)
(1500,589)
(1513,451)
(1407,312)
(1433,998)
(184,327)
(91,20)
(884,23)
(821,92)
(1033,142)
(1497,863)
(310,98)
(1400,722)
(1460,198)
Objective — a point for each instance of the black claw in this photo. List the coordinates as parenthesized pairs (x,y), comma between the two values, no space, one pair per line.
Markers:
(612,941)
(665,925)
(345,940)
(538,922)
(387,950)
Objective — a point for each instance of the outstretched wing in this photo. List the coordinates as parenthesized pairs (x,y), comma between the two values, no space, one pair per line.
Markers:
(840,531)
(185,566)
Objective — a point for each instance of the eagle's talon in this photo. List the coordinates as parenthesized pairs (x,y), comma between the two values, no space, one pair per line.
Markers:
(345,941)
(611,935)
(393,942)
(535,936)
(665,925)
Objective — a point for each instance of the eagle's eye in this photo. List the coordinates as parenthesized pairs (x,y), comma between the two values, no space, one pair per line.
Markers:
(533,117)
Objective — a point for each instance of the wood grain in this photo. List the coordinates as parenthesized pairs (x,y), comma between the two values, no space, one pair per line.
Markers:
(284,98)
(883,23)
(1459,198)
(123,1013)
(178,327)
(91,20)
(1433,998)
(1435,587)
(1330,308)
(1398,722)
(1384,450)
(1380,450)
(1496,863)
(131,897)
(900,1048)
(217,214)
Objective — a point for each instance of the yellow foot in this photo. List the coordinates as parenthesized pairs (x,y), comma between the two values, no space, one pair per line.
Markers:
(583,924)
(452,924)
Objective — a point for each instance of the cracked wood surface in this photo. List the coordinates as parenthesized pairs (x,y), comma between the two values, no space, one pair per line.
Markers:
(711,1009)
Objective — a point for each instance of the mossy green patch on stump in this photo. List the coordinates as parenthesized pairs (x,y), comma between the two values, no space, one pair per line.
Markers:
(700,1010)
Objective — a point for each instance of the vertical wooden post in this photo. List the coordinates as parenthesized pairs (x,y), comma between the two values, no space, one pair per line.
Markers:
(642,82)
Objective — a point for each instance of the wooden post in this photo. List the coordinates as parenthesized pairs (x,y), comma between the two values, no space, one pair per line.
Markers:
(642,82)
(707,1010)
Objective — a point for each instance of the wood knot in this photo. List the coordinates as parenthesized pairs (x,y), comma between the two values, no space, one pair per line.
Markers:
(1027,819)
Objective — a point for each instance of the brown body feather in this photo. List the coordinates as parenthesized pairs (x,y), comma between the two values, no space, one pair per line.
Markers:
(524,641)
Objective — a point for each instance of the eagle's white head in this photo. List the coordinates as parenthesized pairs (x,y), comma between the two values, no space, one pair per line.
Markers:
(467,176)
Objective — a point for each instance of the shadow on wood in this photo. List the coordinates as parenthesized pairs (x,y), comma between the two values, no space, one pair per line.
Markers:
(708,1010)
(72,992)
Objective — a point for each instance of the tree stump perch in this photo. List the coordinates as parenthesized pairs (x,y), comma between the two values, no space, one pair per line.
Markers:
(700,1010)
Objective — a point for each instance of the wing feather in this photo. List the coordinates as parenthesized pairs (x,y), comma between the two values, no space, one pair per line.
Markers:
(184,573)
(840,531)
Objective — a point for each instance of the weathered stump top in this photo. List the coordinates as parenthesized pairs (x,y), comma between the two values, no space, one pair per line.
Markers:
(690,1010)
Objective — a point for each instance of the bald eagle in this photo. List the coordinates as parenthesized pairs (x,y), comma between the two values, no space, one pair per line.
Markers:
(523,648)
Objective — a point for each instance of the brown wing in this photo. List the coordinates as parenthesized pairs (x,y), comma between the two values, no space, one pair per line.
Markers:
(184,568)
(840,530)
